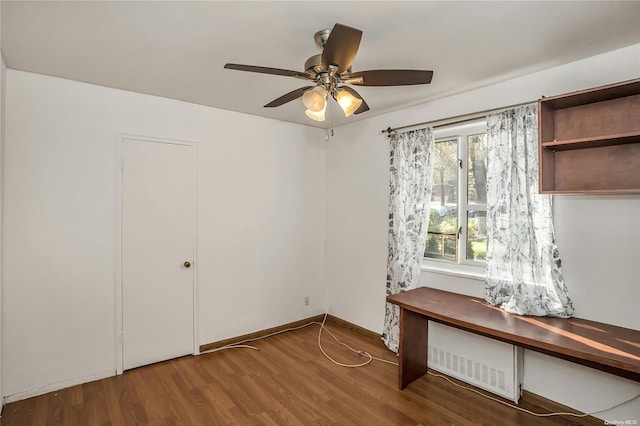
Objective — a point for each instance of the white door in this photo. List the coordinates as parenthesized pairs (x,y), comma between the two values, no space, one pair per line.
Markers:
(158,235)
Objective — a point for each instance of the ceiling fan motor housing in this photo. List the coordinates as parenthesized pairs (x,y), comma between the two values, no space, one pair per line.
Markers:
(313,65)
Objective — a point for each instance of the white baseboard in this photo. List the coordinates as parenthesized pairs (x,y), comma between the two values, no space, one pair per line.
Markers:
(57,386)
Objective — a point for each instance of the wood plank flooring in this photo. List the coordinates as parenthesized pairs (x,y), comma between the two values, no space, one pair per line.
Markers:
(288,381)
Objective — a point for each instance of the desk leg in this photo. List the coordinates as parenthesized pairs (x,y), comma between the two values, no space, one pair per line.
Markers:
(412,347)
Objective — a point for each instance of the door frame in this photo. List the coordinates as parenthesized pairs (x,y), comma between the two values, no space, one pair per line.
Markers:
(117,246)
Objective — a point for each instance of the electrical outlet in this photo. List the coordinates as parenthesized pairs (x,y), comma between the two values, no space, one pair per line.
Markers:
(306,300)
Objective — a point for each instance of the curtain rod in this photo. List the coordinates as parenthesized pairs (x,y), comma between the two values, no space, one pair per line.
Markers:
(458,119)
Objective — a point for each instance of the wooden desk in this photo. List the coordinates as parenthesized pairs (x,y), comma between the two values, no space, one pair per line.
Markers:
(615,350)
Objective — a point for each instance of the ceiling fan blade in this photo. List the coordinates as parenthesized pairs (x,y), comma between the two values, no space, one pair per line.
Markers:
(341,47)
(288,97)
(391,77)
(363,107)
(267,70)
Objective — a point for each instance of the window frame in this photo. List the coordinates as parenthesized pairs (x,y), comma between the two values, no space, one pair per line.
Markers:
(464,267)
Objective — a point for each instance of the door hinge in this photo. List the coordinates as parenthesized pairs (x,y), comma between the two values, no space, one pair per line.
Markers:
(121,338)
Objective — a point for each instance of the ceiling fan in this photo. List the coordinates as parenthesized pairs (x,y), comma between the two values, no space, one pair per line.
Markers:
(331,72)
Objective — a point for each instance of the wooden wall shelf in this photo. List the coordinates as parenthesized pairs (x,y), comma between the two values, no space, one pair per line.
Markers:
(589,141)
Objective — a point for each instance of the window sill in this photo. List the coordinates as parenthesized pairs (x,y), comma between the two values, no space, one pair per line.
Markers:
(464,271)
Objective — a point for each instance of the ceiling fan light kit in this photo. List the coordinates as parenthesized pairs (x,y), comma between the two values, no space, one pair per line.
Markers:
(331,72)
(348,102)
(317,115)
(315,99)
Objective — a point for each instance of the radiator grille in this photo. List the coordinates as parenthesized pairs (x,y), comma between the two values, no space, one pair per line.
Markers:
(481,362)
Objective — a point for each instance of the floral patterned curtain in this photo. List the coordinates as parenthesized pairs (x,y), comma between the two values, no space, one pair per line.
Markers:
(523,262)
(410,194)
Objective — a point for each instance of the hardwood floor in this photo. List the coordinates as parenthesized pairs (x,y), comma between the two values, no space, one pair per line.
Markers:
(288,381)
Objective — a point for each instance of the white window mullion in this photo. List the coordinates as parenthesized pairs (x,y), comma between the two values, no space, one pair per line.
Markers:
(462,198)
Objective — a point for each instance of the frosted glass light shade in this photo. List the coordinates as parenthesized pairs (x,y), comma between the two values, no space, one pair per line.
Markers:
(317,115)
(348,102)
(315,99)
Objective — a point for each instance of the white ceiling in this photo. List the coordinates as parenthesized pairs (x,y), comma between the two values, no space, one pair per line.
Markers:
(178,49)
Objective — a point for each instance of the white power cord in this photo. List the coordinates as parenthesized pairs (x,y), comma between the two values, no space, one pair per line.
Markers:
(241,344)
(370,358)
(322,328)
(367,354)
(525,410)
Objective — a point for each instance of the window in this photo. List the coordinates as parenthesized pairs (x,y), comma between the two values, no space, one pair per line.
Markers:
(457,220)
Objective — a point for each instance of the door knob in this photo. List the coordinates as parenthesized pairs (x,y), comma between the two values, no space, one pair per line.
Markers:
(187,264)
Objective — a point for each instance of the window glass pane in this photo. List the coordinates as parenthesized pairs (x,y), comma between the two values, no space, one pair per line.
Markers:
(443,218)
(477,235)
(477,180)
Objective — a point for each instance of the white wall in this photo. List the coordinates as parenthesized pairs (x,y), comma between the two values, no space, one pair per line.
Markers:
(3,72)
(261,213)
(597,235)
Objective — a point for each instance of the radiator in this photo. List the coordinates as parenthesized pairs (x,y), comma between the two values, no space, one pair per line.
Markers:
(482,362)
